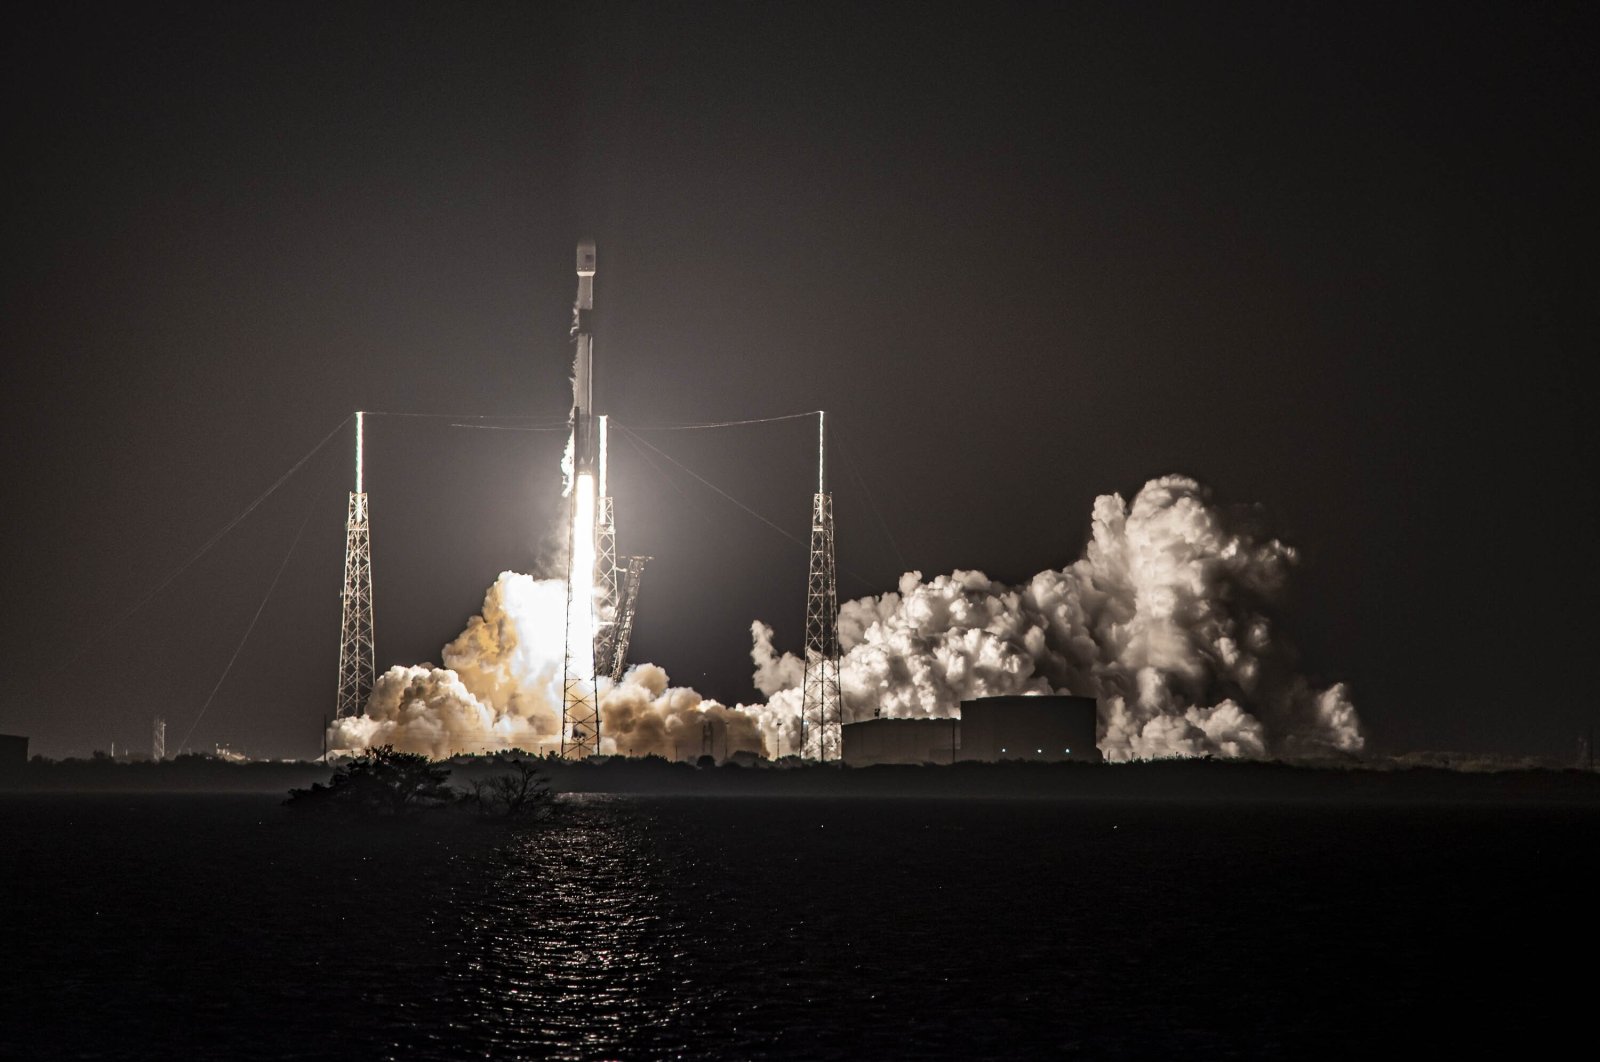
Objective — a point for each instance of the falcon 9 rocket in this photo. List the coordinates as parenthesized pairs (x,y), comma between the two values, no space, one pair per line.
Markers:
(580,712)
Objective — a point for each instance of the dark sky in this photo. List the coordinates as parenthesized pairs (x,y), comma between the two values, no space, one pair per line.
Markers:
(1330,259)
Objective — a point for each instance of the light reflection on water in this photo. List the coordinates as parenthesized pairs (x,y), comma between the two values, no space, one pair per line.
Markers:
(572,951)
(161,927)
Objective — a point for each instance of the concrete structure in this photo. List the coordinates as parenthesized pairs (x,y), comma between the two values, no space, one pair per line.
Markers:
(875,741)
(13,752)
(1029,728)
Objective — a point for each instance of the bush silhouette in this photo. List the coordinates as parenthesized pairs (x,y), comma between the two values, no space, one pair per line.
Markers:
(521,793)
(380,781)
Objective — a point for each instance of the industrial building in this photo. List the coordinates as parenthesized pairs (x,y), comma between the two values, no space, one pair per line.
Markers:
(876,741)
(1050,729)
(1029,728)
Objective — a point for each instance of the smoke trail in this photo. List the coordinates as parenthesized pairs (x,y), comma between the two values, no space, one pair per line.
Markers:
(1162,620)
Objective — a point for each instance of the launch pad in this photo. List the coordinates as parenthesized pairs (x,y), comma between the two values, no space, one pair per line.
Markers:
(602,584)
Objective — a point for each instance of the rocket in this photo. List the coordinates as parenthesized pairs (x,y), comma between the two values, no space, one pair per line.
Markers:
(585,446)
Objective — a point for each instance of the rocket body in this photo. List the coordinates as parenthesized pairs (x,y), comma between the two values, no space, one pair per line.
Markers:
(580,710)
(584,433)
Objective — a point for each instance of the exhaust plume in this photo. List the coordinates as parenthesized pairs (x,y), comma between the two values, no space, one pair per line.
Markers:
(500,689)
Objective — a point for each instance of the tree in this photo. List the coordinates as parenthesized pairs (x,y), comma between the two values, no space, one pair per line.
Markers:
(522,793)
(380,781)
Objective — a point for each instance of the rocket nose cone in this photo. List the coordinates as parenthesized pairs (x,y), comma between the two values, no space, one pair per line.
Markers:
(586,258)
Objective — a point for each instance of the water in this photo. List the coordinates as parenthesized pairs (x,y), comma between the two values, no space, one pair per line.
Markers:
(222,927)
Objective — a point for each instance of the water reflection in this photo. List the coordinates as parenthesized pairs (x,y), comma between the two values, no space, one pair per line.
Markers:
(573,951)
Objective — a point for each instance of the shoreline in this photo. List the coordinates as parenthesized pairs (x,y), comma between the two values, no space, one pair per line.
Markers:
(1157,780)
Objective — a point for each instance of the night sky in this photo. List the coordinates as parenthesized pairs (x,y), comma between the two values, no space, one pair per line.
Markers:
(1327,259)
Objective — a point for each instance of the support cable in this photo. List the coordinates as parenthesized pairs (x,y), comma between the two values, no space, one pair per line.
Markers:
(656,427)
(93,639)
(457,416)
(727,423)
(251,628)
(668,480)
(855,470)
(563,426)
(662,474)
(804,545)
(713,486)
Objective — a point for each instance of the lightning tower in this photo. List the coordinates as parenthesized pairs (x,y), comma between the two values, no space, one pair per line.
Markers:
(821,704)
(357,656)
(580,710)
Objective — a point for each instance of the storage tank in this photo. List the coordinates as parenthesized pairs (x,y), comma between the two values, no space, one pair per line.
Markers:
(1051,728)
(875,741)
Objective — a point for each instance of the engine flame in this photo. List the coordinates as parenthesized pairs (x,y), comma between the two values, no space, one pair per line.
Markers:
(580,689)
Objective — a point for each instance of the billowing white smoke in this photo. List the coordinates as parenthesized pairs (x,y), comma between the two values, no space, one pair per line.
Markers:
(645,716)
(1161,621)
(500,688)
(430,710)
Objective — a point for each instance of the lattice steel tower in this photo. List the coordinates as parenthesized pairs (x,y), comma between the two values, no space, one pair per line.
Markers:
(821,703)
(357,655)
(627,605)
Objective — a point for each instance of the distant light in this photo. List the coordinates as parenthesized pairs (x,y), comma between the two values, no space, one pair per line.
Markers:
(1067,751)
(1002,750)
(1039,752)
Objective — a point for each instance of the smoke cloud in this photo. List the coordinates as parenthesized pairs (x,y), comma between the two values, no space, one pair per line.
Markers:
(1164,621)
(645,716)
(500,688)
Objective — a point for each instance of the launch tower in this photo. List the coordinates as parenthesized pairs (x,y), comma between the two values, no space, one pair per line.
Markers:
(357,655)
(821,704)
